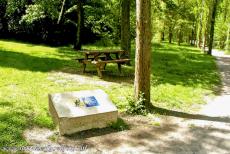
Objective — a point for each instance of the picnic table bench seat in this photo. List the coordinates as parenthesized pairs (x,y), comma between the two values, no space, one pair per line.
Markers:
(100,65)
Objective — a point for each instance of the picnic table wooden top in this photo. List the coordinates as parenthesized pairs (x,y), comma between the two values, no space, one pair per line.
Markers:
(101,51)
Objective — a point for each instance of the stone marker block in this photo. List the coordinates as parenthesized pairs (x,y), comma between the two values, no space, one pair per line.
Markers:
(72,118)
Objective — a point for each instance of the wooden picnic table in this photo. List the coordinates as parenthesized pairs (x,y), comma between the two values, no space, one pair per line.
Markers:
(100,58)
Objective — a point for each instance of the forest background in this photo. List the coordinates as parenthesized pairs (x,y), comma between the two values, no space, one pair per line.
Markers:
(181,21)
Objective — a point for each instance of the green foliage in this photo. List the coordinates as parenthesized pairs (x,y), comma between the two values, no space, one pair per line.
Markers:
(222,24)
(119,125)
(182,18)
(136,107)
(98,21)
(15,6)
(40,10)
(103,18)
(39,19)
(33,13)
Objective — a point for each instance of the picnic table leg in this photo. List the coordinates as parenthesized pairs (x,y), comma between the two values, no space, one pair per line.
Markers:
(99,72)
(84,66)
(119,67)
(99,68)
(117,55)
(104,66)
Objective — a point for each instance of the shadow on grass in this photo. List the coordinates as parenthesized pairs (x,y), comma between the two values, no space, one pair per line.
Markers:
(6,104)
(172,113)
(23,61)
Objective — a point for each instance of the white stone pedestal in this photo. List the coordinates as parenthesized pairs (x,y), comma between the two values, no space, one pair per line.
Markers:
(72,118)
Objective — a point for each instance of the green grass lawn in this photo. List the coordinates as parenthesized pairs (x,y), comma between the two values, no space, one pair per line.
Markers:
(181,76)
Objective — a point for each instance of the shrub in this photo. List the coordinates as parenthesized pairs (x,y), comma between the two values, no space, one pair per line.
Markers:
(136,107)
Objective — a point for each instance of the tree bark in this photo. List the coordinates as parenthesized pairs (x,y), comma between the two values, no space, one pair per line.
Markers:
(162,36)
(179,37)
(212,29)
(204,41)
(200,27)
(61,12)
(163,33)
(125,28)
(170,34)
(192,38)
(143,51)
(227,39)
(77,42)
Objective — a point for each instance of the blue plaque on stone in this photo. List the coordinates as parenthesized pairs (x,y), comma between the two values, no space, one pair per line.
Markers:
(90,101)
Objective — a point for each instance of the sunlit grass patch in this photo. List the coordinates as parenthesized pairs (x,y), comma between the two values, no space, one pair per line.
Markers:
(227,52)
(181,76)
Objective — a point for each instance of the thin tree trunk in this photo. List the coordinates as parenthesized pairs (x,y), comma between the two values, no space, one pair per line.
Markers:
(204,34)
(143,51)
(77,43)
(195,40)
(204,42)
(194,35)
(199,33)
(125,28)
(162,36)
(188,39)
(170,34)
(192,38)
(163,33)
(62,12)
(227,40)
(212,29)
(179,37)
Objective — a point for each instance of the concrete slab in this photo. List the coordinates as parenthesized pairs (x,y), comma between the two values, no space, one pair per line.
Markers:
(72,118)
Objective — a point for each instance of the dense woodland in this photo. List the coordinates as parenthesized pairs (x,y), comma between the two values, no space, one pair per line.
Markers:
(55,22)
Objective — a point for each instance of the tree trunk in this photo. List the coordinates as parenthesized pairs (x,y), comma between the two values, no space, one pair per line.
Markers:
(189,39)
(194,35)
(192,38)
(170,34)
(227,40)
(77,43)
(143,51)
(195,41)
(61,14)
(204,41)
(212,29)
(163,33)
(179,37)
(200,27)
(125,28)
(162,36)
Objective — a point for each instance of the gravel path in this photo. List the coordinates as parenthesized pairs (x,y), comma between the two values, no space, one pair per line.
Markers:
(203,133)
